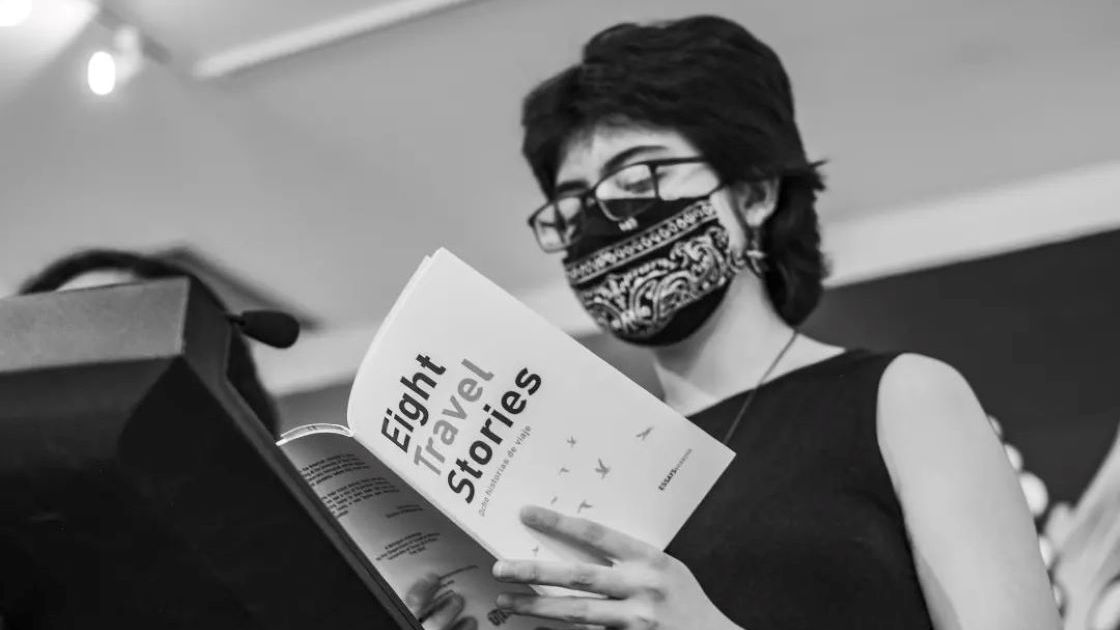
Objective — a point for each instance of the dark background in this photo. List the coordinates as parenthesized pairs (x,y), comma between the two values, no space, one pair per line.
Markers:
(1035,332)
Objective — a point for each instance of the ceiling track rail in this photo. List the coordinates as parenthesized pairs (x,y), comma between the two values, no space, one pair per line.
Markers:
(317,35)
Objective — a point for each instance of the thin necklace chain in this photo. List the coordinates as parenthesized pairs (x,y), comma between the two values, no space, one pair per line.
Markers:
(751,394)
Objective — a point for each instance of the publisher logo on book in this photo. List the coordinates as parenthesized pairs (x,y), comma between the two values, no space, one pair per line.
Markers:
(673,471)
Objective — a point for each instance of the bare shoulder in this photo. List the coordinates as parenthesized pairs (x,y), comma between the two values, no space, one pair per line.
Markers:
(917,388)
(926,405)
(917,378)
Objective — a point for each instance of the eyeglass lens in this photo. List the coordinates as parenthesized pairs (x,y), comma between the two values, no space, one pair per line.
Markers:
(624,194)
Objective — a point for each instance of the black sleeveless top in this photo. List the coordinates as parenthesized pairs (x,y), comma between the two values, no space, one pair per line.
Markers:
(804,531)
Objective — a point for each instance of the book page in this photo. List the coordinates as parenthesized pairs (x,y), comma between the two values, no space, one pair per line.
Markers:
(484,407)
(402,535)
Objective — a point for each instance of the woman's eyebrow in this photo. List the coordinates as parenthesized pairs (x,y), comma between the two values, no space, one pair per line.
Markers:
(616,161)
(622,157)
(570,185)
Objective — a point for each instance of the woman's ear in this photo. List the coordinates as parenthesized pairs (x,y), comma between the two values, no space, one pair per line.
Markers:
(756,201)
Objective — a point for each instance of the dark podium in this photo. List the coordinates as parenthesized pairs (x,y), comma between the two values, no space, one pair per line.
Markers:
(138,490)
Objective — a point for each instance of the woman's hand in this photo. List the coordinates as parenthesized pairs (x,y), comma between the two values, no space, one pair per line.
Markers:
(440,612)
(645,588)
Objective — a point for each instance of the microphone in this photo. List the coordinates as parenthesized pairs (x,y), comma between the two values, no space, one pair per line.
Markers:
(273,328)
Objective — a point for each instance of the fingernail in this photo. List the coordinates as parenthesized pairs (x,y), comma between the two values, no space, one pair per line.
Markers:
(501,569)
(504,601)
(532,514)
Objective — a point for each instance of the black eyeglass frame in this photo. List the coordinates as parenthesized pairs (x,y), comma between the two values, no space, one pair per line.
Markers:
(589,195)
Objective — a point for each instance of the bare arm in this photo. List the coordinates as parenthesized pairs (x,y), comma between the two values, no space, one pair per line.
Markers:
(974,544)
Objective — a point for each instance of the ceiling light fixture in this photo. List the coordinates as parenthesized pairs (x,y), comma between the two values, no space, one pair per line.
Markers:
(101,73)
(108,70)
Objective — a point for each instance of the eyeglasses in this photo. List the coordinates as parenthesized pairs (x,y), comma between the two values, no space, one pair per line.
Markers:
(621,196)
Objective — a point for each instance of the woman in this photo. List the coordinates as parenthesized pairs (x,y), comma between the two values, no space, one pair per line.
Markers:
(868,490)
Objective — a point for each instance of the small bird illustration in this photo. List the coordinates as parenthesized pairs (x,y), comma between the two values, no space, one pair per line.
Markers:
(553,501)
(536,549)
(644,434)
(571,441)
(582,505)
(602,469)
(563,470)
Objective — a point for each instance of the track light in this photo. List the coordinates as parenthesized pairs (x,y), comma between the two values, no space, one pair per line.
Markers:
(109,69)
(102,73)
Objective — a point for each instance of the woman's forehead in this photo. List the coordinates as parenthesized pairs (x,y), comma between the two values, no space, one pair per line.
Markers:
(586,154)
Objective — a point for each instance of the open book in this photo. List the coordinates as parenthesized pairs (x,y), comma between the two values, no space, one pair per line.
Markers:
(469,406)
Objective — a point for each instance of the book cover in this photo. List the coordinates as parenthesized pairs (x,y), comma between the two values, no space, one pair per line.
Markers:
(483,407)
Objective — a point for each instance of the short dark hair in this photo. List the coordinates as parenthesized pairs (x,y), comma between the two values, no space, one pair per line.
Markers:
(242,370)
(711,80)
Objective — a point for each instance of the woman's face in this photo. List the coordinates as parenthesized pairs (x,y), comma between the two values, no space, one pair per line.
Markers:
(652,277)
(591,156)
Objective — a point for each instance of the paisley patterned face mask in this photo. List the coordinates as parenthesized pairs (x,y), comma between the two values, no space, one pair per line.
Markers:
(659,285)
